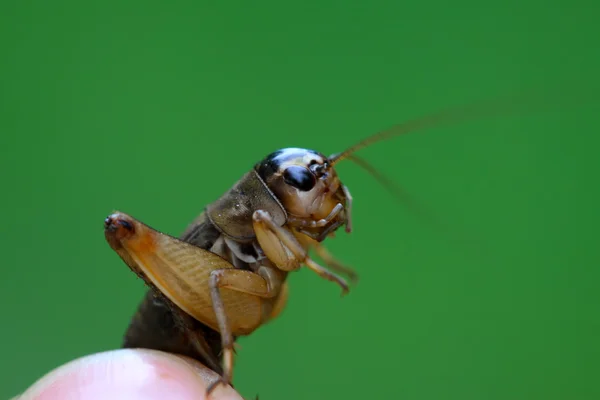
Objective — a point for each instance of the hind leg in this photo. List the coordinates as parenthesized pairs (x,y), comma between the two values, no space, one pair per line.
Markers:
(265,284)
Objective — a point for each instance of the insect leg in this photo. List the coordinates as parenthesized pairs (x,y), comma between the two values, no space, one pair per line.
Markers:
(348,208)
(333,263)
(265,227)
(266,283)
(157,310)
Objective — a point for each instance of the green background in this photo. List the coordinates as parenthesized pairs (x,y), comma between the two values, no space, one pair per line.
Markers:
(156,108)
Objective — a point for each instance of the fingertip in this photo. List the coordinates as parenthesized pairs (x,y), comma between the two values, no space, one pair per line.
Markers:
(129,374)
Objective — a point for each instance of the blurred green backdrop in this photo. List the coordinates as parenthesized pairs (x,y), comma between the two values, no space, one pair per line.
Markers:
(156,108)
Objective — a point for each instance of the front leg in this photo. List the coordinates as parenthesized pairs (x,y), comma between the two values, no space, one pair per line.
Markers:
(284,250)
(334,264)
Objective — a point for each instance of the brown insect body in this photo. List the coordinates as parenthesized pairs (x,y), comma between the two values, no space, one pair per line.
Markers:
(264,225)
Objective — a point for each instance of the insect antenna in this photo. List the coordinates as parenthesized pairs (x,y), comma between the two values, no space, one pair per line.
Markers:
(395,190)
(504,106)
(401,195)
(517,103)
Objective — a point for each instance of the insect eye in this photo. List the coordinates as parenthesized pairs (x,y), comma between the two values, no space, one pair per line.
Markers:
(299,177)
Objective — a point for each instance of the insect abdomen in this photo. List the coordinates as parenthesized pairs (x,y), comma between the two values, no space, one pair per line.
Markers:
(154,327)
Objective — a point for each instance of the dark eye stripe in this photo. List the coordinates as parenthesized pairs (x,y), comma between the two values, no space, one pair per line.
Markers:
(299,177)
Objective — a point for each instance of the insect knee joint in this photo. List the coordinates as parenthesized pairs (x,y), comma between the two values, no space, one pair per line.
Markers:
(260,215)
(215,277)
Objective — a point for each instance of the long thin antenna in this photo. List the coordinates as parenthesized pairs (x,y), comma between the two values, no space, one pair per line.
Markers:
(497,107)
(425,215)
(399,193)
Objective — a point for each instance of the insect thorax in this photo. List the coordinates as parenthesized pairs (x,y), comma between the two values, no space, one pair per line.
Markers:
(245,254)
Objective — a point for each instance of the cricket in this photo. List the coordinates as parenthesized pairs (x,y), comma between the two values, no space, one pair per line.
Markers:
(226,275)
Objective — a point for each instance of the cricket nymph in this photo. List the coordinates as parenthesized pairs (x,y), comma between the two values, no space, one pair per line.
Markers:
(226,275)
